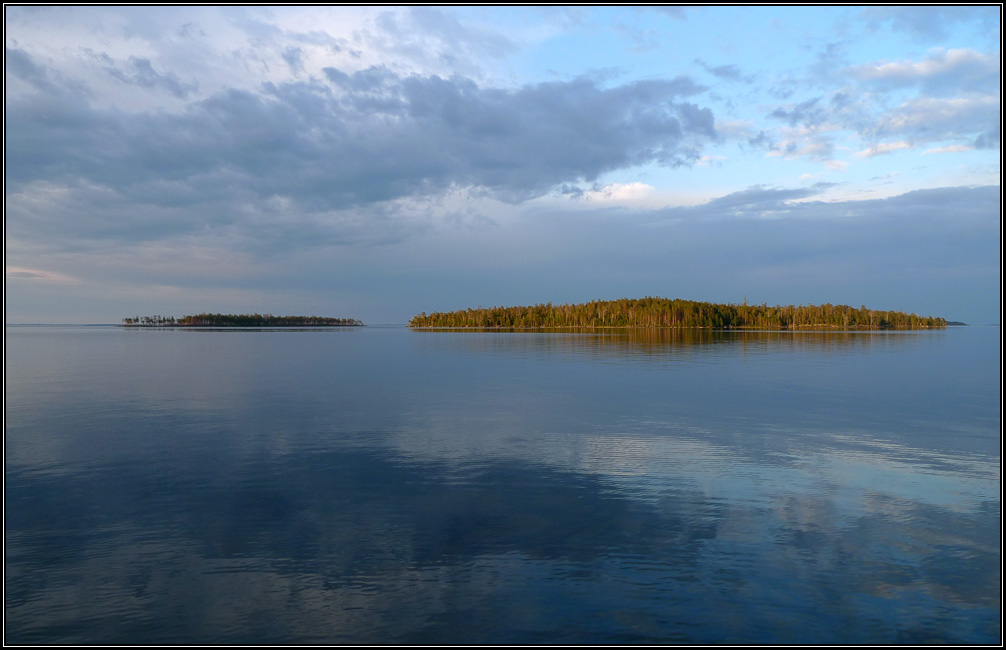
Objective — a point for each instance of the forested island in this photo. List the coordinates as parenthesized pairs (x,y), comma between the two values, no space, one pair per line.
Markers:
(663,312)
(239,320)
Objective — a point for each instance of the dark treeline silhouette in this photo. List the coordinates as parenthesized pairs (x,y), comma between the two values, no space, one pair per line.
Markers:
(239,320)
(662,312)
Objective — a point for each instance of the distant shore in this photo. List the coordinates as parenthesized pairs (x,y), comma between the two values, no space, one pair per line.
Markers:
(665,313)
(240,320)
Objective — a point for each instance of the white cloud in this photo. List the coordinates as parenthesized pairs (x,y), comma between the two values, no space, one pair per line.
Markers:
(817,148)
(882,148)
(706,161)
(934,118)
(940,62)
(620,193)
(814,141)
(37,275)
(951,149)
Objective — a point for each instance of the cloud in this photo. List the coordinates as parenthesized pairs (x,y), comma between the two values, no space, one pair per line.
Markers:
(49,277)
(433,39)
(932,119)
(963,209)
(990,139)
(935,251)
(957,148)
(762,141)
(233,145)
(618,192)
(363,159)
(828,63)
(813,146)
(882,148)
(754,202)
(708,161)
(809,130)
(951,96)
(294,57)
(932,22)
(18,63)
(346,142)
(942,73)
(675,12)
(729,72)
(806,112)
(958,101)
(140,72)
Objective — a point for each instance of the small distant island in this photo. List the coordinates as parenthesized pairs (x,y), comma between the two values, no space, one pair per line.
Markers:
(663,312)
(239,320)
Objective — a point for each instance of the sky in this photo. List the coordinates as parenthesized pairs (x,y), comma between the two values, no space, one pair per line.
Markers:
(379,162)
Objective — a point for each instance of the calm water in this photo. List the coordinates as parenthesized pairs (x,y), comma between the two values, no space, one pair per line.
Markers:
(388,485)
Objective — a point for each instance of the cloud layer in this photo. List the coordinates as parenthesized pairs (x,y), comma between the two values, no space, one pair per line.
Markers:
(347,141)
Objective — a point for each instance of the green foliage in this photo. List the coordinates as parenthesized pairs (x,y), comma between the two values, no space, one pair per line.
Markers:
(239,320)
(662,312)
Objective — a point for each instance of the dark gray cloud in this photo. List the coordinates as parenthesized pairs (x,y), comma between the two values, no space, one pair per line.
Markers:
(21,66)
(358,139)
(919,247)
(18,63)
(936,251)
(140,72)
(932,251)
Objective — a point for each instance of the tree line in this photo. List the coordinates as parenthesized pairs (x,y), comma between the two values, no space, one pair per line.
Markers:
(663,312)
(239,320)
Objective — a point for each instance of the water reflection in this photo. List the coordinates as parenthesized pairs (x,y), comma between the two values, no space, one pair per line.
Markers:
(630,344)
(405,487)
(328,545)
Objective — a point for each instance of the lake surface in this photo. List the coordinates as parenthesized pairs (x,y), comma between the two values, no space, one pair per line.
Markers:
(383,485)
